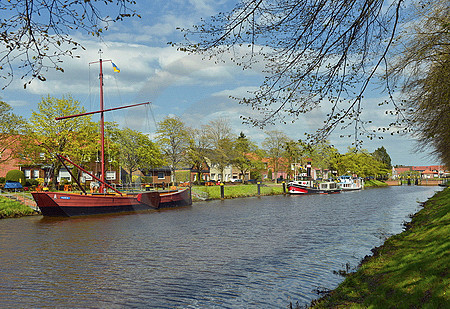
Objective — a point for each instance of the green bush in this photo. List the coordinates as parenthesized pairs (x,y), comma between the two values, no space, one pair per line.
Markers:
(32,182)
(16,175)
(2,180)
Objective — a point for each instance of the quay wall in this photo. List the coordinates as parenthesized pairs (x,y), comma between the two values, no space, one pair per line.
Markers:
(422,182)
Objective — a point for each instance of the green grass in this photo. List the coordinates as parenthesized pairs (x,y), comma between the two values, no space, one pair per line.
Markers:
(374,183)
(410,270)
(234,191)
(12,209)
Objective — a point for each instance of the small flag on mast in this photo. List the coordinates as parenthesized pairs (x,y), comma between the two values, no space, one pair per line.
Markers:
(116,69)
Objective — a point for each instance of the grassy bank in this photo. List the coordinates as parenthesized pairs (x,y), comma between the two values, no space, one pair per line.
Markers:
(410,270)
(13,209)
(374,183)
(233,191)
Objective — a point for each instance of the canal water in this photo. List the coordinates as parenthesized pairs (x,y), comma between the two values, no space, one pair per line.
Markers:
(243,253)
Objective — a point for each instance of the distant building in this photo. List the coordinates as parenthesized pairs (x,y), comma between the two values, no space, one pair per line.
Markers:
(431,171)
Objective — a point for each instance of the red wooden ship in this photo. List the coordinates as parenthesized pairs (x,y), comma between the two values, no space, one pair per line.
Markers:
(78,204)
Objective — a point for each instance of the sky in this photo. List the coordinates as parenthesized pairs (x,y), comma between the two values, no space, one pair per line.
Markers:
(178,84)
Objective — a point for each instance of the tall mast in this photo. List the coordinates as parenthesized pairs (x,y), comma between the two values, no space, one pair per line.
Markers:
(102,129)
(102,180)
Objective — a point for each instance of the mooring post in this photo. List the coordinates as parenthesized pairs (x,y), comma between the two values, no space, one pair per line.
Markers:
(284,187)
(259,187)
(222,191)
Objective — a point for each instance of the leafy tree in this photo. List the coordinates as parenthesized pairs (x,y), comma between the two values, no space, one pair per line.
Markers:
(136,151)
(322,154)
(381,155)
(314,52)
(361,163)
(35,37)
(423,69)
(274,145)
(66,137)
(199,150)
(293,154)
(219,133)
(174,138)
(11,126)
(246,156)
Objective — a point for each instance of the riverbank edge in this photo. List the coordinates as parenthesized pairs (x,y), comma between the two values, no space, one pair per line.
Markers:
(10,208)
(374,184)
(410,270)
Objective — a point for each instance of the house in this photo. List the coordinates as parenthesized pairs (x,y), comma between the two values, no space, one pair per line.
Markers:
(200,175)
(218,175)
(431,171)
(430,174)
(161,175)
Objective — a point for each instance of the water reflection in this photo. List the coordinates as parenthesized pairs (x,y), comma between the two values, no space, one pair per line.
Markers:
(253,253)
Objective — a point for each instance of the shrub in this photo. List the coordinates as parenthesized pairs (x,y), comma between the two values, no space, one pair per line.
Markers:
(2,180)
(16,175)
(32,182)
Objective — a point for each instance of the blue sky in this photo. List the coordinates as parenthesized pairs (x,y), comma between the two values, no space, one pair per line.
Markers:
(176,83)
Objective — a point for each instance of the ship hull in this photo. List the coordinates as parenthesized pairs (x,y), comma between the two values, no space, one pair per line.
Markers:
(57,204)
(300,189)
(175,198)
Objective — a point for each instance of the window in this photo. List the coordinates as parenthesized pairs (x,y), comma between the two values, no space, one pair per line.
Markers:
(111,175)
(64,174)
(36,174)
(42,155)
(161,175)
(27,174)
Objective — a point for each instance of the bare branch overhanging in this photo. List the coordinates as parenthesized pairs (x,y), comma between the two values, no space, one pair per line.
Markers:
(316,53)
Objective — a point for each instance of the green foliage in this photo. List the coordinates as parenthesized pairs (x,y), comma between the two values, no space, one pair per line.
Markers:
(2,179)
(16,175)
(10,209)
(69,137)
(381,155)
(136,150)
(245,156)
(31,182)
(361,163)
(10,126)
(374,183)
(183,176)
(322,154)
